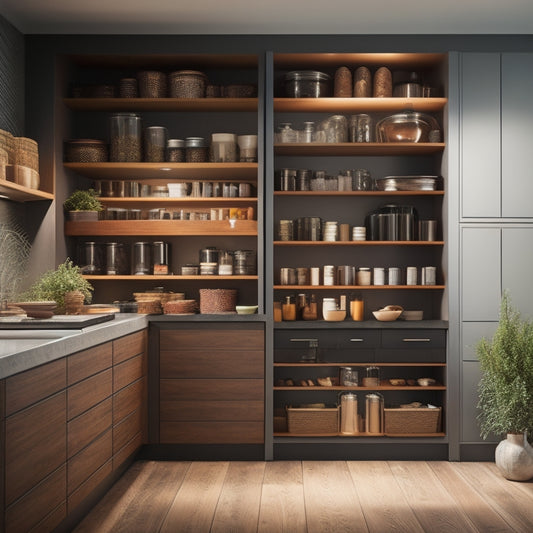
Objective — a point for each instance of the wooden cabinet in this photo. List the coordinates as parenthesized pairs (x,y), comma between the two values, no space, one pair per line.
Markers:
(186,223)
(211,388)
(68,426)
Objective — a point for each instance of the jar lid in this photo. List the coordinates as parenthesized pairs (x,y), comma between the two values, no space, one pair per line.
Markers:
(307,75)
(85,141)
(175,143)
(156,128)
(126,115)
(188,73)
(195,142)
(223,137)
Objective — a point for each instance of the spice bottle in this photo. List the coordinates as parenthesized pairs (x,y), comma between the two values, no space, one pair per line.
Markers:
(310,311)
(288,309)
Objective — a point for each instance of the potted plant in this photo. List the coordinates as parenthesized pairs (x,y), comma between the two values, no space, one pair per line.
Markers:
(55,284)
(506,391)
(83,205)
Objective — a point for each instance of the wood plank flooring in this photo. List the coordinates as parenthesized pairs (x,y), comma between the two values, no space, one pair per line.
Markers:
(313,497)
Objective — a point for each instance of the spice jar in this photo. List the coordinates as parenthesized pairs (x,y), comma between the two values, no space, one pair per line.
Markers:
(364,276)
(155,143)
(288,309)
(223,148)
(175,151)
(125,138)
(310,311)
(195,150)
(357,307)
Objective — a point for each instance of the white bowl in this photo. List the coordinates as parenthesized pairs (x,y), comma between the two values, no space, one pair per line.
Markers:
(384,315)
(246,309)
(334,315)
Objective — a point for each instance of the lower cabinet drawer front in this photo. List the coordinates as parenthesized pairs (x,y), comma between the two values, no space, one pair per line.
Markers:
(130,345)
(85,489)
(83,429)
(89,392)
(127,372)
(128,400)
(89,460)
(211,432)
(212,411)
(125,430)
(414,339)
(187,363)
(35,445)
(127,451)
(214,389)
(46,499)
(81,365)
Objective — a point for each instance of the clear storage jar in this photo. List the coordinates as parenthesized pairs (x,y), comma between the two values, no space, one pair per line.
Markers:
(307,84)
(155,143)
(175,151)
(195,150)
(126,137)
(223,148)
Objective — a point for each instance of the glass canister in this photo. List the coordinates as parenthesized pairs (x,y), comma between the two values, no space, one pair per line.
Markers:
(225,263)
(160,255)
(348,376)
(126,138)
(155,143)
(175,151)
(195,150)
(349,416)
(90,258)
(244,262)
(335,129)
(116,259)
(141,258)
(372,377)
(310,311)
(374,413)
(223,148)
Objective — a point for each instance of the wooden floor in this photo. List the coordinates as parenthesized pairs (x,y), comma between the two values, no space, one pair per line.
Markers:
(310,496)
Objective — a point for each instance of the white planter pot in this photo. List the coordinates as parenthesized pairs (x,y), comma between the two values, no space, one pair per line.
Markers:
(514,457)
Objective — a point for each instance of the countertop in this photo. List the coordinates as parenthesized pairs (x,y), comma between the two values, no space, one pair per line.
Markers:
(21,350)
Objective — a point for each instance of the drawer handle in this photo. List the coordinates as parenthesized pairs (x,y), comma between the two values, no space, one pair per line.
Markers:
(357,340)
(416,340)
(303,340)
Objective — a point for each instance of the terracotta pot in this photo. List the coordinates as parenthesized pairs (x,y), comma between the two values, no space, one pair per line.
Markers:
(514,457)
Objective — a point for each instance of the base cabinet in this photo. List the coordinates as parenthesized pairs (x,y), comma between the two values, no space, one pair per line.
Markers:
(211,386)
(66,427)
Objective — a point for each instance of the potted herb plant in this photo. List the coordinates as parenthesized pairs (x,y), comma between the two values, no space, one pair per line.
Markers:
(83,205)
(55,284)
(506,391)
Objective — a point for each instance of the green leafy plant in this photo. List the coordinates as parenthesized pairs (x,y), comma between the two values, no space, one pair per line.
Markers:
(53,285)
(83,200)
(506,386)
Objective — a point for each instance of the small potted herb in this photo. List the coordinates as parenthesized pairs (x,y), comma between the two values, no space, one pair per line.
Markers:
(83,205)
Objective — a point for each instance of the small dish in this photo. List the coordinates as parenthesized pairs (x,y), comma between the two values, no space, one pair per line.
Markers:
(426,382)
(412,315)
(334,315)
(386,315)
(246,309)
(37,309)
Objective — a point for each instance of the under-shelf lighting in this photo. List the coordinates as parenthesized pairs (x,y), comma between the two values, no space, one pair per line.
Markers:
(165,169)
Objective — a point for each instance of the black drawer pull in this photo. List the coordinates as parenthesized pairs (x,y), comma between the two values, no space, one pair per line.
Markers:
(416,340)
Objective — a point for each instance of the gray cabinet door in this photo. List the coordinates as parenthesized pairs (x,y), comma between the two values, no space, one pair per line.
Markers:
(481,268)
(517,267)
(517,118)
(480,135)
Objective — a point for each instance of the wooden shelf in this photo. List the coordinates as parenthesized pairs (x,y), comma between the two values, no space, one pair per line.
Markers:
(162,228)
(319,388)
(323,364)
(150,277)
(362,435)
(358,287)
(358,193)
(198,202)
(354,149)
(358,243)
(18,193)
(358,105)
(163,104)
(166,171)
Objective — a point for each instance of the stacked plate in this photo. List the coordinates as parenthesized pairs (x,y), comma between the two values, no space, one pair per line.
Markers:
(37,309)
(407,183)
(330,230)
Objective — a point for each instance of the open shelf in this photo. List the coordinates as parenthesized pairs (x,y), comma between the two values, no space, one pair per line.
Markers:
(347,149)
(18,193)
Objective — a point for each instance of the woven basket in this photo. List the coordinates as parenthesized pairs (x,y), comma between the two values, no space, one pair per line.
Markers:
(313,420)
(213,301)
(412,420)
(26,153)
(152,84)
(7,144)
(3,163)
(180,307)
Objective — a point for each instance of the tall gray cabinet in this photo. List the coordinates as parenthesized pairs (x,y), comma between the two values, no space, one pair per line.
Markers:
(496,212)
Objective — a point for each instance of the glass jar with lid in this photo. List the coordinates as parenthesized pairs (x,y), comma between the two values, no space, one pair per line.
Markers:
(223,148)
(126,136)
(195,150)
(155,143)
(175,151)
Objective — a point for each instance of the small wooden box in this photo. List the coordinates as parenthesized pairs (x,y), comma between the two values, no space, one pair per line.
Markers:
(412,420)
(306,420)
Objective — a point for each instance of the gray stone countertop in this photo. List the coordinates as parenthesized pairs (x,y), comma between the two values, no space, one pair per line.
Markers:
(22,349)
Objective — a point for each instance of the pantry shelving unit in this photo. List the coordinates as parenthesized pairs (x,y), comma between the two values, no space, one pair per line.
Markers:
(183,117)
(381,346)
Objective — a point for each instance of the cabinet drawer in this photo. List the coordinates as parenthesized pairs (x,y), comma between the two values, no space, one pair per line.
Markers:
(83,429)
(85,489)
(89,392)
(343,339)
(36,506)
(130,345)
(34,385)
(89,460)
(212,410)
(214,336)
(127,400)
(127,452)
(212,432)
(212,389)
(89,362)
(35,445)
(128,372)
(183,363)
(414,339)
(125,430)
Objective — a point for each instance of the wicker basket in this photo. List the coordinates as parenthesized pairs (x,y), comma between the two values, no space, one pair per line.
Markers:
(8,144)
(306,420)
(3,163)
(216,301)
(152,84)
(412,420)
(86,151)
(187,84)
(26,153)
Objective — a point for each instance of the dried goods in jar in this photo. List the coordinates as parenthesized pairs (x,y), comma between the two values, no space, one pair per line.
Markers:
(342,87)
(383,83)
(362,83)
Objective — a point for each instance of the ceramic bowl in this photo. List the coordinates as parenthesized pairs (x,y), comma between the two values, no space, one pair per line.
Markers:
(334,315)
(246,309)
(386,315)
(37,309)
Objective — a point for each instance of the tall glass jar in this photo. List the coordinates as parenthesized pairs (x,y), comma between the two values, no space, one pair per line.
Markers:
(155,143)
(126,138)
(223,148)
